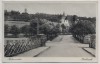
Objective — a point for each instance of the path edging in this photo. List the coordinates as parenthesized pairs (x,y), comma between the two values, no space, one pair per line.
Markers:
(41,52)
(88,52)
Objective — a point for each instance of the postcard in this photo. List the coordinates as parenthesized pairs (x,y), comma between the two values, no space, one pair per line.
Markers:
(50,31)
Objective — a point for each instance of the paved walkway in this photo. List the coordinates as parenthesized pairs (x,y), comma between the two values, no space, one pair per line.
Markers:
(65,46)
(90,50)
(33,52)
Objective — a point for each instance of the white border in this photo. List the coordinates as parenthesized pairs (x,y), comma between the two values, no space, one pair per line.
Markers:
(41,59)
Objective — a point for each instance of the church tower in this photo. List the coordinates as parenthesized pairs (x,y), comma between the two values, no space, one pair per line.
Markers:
(25,10)
(64,22)
(63,13)
(63,18)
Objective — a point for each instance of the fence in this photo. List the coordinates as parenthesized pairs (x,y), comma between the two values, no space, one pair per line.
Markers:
(79,38)
(92,43)
(15,46)
(87,39)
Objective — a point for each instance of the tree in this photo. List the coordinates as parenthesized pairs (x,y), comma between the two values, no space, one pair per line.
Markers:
(63,26)
(14,30)
(57,28)
(85,27)
(6,14)
(15,15)
(74,17)
(6,29)
(24,17)
(27,30)
(45,29)
(24,30)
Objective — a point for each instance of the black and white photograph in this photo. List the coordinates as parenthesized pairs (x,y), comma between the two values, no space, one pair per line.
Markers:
(50,29)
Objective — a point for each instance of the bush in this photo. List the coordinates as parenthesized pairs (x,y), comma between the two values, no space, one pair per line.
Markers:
(14,30)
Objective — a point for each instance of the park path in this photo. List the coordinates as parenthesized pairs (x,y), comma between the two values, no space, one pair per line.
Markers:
(65,46)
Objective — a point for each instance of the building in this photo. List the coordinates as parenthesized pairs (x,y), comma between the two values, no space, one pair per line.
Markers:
(64,22)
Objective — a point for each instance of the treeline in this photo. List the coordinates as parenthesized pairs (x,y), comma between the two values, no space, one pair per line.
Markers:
(75,18)
(17,16)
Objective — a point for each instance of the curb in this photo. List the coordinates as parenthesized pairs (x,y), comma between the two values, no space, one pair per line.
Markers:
(41,52)
(88,52)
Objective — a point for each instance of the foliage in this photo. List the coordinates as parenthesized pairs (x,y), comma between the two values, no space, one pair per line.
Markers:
(6,29)
(14,30)
(85,27)
(45,29)
(27,30)
(63,26)
(16,15)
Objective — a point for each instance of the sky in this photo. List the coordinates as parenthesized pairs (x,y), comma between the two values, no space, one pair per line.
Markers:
(87,9)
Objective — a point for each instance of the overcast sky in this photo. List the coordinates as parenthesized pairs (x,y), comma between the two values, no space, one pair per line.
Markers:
(81,9)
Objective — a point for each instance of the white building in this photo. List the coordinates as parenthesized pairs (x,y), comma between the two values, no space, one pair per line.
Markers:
(65,22)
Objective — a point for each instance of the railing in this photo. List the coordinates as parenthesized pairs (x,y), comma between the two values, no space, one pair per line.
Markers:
(87,39)
(15,46)
(92,43)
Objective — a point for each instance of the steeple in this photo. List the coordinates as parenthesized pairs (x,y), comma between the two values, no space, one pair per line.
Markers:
(63,13)
(25,10)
